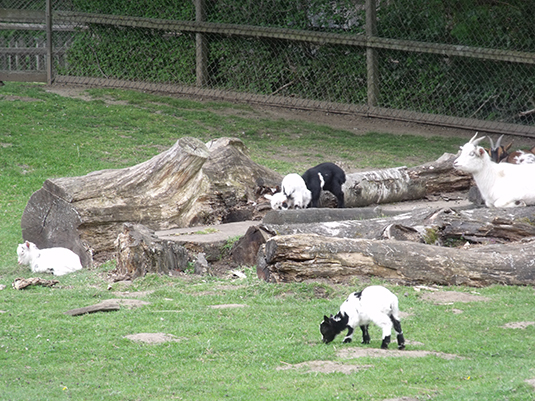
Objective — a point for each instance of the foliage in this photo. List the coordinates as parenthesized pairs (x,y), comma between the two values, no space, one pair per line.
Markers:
(436,84)
(134,54)
(490,24)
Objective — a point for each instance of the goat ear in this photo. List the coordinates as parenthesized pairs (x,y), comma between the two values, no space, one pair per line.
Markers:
(27,244)
(480,151)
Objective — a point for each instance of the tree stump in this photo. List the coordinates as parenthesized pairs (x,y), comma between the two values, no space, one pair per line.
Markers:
(139,252)
(189,184)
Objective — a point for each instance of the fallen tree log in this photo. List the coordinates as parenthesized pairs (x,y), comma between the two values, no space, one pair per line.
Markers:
(189,184)
(402,183)
(430,225)
(288,258)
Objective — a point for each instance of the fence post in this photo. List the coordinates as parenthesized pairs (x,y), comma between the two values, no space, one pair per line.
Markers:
(201,46)
(49,50)
(371,54)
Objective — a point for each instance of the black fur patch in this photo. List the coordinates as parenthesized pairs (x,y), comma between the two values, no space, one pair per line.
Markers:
(333,177)
(331,327)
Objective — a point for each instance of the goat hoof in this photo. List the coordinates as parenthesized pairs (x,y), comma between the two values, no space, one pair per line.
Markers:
(401,346)
(347,340)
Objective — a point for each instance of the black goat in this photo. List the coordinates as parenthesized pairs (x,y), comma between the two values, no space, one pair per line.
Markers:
(326,176)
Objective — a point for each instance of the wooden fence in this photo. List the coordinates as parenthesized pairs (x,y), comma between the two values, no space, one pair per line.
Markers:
(31,60)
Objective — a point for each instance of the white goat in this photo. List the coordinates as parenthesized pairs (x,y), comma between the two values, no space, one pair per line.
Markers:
(295,194)
(296,191)
(375,304)
(501,185)
(58,261)
(278,201)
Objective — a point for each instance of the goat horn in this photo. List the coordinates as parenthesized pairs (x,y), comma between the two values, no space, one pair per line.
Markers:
(492,144)
(474,137)
(475,141)
(498,142)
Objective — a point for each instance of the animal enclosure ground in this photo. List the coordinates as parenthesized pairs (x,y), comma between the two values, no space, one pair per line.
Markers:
(226,352)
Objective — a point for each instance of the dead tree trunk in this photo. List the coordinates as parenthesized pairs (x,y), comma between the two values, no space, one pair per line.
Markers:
(435,226)
(189,184)
(402,183)
(286,258)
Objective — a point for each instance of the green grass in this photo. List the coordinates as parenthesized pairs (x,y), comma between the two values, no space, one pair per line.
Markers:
(222,353)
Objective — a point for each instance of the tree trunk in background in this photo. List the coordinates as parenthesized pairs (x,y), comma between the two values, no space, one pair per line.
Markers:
(189,184)
(402,183)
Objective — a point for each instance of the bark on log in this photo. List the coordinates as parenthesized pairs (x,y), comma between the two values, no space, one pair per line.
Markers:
(21,283)
(287,258)
(436,226)
(402,183)
(139,252)
(189,184)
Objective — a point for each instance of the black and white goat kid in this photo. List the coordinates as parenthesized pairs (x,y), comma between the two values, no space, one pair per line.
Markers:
(374,304)
(326,176)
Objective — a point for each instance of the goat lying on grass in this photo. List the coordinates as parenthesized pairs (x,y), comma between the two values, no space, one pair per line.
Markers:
(501,185)
(374,304)
(327,176)
(58,261)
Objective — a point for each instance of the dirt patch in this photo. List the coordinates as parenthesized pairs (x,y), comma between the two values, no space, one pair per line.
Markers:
(228,306)
(450,297)
(518,325)
(324,367)
(402,399)
(531,382)
(128,303)
(137,294)
(152,338)
(351,353)
(20,98)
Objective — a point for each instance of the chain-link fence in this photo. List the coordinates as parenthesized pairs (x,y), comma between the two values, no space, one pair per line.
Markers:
(468,63)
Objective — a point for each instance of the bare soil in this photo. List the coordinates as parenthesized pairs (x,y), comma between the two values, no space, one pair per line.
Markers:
(450,297)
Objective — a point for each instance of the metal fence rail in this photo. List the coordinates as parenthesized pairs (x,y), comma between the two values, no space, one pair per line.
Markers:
(472,66)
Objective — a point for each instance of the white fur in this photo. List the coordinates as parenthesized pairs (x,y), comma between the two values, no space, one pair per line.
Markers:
(295,194)
(524,157)
(501,185)
(58,261)
(278,201)
(296,191)
(375,305)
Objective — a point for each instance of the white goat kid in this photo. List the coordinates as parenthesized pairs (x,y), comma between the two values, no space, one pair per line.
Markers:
(294,194)
(501,185)
(375,304)
(58,261)
(278,201)
(296,191)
